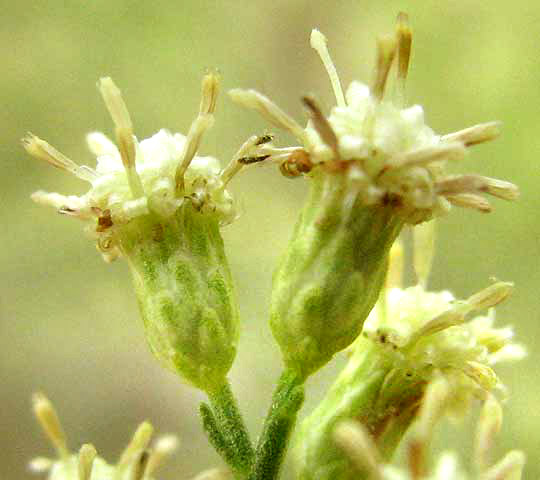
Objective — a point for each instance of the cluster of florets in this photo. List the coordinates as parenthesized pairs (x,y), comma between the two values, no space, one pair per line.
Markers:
(156,176)
(391,154)
(422,333)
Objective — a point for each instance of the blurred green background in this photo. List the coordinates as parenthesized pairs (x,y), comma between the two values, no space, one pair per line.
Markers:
(69,323)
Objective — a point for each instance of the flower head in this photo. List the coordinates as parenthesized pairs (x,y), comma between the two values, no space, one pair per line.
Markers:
(133,179)
(137,462)
(390,154)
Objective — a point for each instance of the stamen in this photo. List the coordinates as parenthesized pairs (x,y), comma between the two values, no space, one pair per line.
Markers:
(209,93)
(124,132)
(490,296)
(87,453)
(461,184)
(509,468)
(318,43)
(404,41)
(42,150)
(321,124)
(162,449)
(470,200)
(50,423)
(424,156)
(386,51)
(268,109)
(193,140)
(489,426)
(140,441)
(355,441)
(500,188)
(483,132)
(423,250)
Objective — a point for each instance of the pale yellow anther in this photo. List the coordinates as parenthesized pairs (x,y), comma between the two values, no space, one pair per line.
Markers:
(489,425)
(49,421)
(234,165)
(124,132)
(483,132)
(490,296)
(423,250)
(214,474)
(140,440)
(193,140)
(163,448)
(424,156)
(209,93)
(356,442)
(386,51)
(42,150)
(268,109)
(470,200)
(501,189)
(87,454)
(404,42)
(319,44)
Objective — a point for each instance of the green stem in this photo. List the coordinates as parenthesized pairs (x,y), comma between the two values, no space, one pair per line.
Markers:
(226,430)
(280,421)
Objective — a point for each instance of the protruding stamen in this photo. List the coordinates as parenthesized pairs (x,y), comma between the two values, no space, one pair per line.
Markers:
(483,132)
(321,124)
(500,188)
(489,425)
(140,441)
(245,151)
(386,51)
(404,42)
(209,93)
(138,470)
(424,156)
(162,449)
(124,132)
(42,150)
(87,453)
(461,184)
(470,200)
(318,43)
(423,250)
(356,442)
(40,465)
(50,423)
(193,140)
(268,109)
(509,468)
(490,296)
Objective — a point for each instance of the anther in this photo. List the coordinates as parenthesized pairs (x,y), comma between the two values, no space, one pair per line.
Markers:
(386,51)
(50,423)
(42,150)
(124,132)
(321,124)
(268,109)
